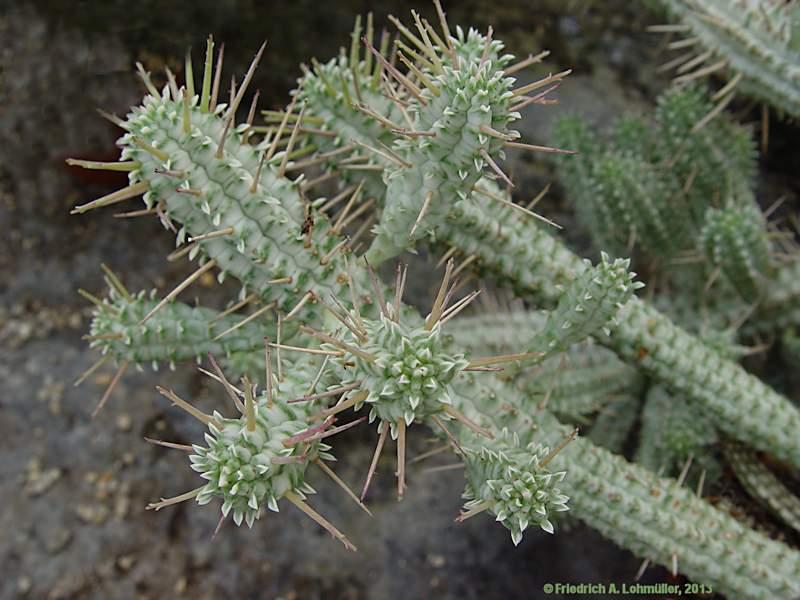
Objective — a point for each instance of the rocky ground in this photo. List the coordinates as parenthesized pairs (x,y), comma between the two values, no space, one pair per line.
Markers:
(73,490)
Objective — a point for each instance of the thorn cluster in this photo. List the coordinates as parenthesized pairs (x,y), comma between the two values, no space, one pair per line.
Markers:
(250,469)
(260,456)
(406,371)
(511,481)
(589,304)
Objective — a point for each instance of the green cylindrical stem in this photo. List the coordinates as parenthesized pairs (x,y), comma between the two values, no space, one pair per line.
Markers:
(176,333)
(756,38)
(535,263)
(652,516)
(763,485)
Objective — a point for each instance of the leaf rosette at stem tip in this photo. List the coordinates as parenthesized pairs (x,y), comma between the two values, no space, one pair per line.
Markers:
(250,469)
(512,482)
(404,366)
(459,118)
(400,365)
(588,304)
(358,108)
(405,370)
(260,456)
